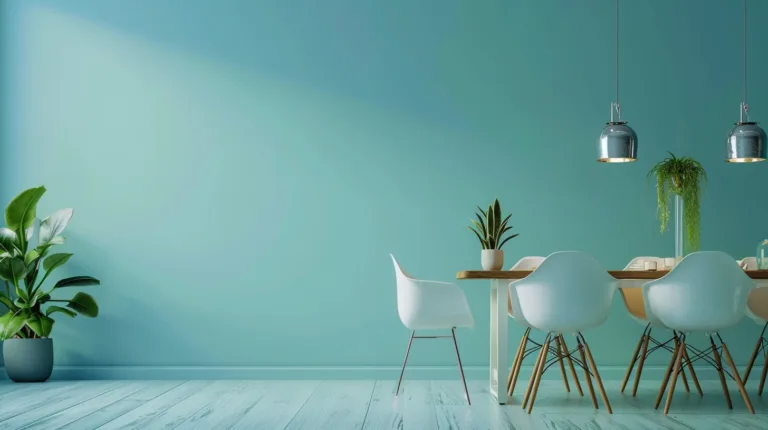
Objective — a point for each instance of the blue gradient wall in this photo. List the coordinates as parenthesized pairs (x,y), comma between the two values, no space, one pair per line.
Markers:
(240,170)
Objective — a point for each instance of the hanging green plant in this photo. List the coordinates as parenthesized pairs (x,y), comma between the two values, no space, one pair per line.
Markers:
(680,176)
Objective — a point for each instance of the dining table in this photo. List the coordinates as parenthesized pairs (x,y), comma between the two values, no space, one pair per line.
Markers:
(500,280)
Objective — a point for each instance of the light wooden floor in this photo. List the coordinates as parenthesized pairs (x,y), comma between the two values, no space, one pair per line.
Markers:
(341,405)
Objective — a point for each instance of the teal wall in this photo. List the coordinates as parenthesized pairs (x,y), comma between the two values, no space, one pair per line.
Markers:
(240,170)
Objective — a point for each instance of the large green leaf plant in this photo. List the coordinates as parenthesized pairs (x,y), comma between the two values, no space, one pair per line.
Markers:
(25,268)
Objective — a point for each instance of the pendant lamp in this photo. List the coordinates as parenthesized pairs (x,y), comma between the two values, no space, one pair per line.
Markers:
(746,141)
(617,142)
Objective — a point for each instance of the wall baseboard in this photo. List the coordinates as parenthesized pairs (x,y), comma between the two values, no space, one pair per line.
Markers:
(339,373)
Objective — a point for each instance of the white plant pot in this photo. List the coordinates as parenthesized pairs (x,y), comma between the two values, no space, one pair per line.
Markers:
(492,259)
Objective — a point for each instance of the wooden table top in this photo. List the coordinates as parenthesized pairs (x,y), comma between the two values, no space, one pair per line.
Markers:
(618,274)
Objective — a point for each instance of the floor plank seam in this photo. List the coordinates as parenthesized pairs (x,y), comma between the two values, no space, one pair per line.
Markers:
(104,406)
(147,401)
(288,424)
(129,410)
(368,408)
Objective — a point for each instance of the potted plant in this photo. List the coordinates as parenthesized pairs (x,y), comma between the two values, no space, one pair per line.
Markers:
(680,177)
(490,229)
(26,328)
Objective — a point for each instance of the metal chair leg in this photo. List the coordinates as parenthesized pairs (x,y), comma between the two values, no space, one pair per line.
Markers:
(402,372)
(461,369)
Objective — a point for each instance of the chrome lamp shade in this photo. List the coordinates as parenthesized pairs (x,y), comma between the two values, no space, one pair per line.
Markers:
(617,143)
(746,143)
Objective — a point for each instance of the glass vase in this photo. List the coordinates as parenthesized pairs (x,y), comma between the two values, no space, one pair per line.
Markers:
(678,228)
(762,255)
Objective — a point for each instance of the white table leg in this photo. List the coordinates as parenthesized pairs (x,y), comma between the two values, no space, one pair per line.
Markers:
(499,294)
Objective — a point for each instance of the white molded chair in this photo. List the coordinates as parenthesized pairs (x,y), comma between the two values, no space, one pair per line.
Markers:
(705,293)
(757,311)
(531,263)
(568,293)
(632,294)
(431,305)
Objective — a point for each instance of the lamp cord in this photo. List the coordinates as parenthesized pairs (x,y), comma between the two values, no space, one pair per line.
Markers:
(617,52)
(745,54)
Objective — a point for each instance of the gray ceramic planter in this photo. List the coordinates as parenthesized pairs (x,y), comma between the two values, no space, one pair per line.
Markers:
(28,360)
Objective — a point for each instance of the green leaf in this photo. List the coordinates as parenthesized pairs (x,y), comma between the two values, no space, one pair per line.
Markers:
(84,304)
(5,300)
(55,260)
(483,242)
(491,222)
(480,227)
(22,294)
(65,311)
(51,263)
(21,211)
(505,240)
(503,226)
(12,269)
(7,240)
(482,224)
(31,256)
(77,281)
(10,324)
(41,325)
(53,225)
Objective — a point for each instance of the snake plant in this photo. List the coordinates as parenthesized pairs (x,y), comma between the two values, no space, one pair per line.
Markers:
(490,228)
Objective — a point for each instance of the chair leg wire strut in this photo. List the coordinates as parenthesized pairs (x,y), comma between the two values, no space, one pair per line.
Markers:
(561,351)
(458,358)
(676,365)
(543,363)
(639,357)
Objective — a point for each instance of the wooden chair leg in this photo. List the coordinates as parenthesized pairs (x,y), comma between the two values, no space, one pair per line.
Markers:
(762,377)
(736,377)
(586,372)
(685,380)
(597,376)
(542,365)
(570,364)
(754,356)
(678,362)
(516,373)
(635,355)
(687,359)
(542,354)
(664,381)
(562,365)
(639,370)
(721,373)
(518,356)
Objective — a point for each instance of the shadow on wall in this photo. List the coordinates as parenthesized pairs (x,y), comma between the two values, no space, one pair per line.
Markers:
(275,42)
(124,320)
